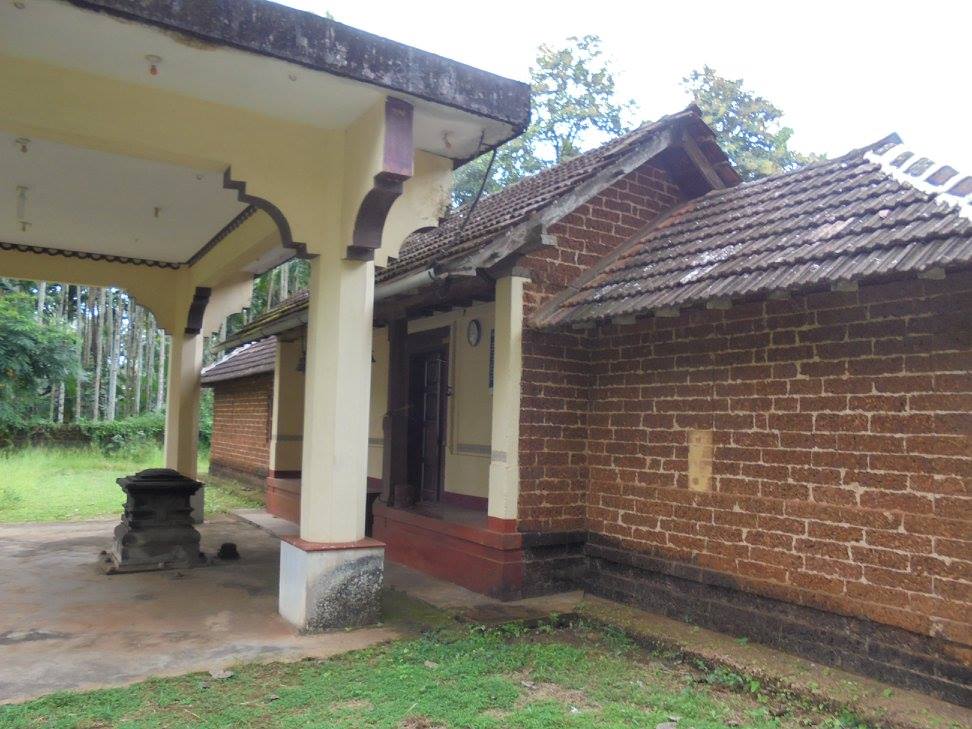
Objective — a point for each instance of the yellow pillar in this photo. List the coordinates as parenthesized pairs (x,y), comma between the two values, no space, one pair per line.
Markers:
(286,429)
(337,393)
(182,410)
(504,464)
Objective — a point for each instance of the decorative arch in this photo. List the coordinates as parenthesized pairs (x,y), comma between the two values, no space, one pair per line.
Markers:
(275,213)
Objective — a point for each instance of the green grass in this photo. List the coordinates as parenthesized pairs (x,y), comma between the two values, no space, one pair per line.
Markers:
(58,484)
(580,678)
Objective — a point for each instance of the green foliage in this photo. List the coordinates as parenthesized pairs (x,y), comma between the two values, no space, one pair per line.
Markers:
(267,288)
(748,126)
(206,417)
(109,436)
(573,107)
(33,356)
(126,436)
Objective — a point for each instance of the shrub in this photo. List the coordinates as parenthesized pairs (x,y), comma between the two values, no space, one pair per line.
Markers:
(125,436)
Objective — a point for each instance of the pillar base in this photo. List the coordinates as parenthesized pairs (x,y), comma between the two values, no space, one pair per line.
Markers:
(326,586)
(197,502)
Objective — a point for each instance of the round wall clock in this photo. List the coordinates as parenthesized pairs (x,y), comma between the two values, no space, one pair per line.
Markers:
(474,332)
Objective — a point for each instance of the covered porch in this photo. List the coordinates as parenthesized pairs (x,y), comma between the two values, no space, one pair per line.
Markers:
(443,436)
(176,154)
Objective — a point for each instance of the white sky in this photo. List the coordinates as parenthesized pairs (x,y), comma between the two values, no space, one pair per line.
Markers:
(845,73)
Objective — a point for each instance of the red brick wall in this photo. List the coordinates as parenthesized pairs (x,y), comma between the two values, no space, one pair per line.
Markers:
(241,424)
(842,460)
(556,372)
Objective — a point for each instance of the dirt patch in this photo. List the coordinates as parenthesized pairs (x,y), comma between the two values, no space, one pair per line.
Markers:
(419,722)
(499,614)
(353,705)
(532,691)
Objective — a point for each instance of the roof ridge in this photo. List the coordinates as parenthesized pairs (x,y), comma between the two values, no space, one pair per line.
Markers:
(422,245)
(874,213)
(942,182)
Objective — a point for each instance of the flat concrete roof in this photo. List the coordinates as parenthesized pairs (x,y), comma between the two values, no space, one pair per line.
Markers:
(319,43)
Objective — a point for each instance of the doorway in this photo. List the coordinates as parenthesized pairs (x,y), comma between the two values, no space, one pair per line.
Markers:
(427,398)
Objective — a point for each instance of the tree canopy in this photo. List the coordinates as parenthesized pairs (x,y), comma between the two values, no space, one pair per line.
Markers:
(748,126)
(35,355)
(574,107)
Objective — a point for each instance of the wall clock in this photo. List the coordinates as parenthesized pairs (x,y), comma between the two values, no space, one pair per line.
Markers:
(474,332)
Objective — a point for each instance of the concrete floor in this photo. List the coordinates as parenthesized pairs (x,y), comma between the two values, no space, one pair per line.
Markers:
(64,625)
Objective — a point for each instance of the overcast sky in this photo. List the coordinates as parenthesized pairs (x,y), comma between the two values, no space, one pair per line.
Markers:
(845,73)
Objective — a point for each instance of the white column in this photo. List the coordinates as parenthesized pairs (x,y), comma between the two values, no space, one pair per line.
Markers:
(337,384)
(182,411)
(504,464)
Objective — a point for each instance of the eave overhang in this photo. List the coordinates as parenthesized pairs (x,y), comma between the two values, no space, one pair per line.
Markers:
(323,44)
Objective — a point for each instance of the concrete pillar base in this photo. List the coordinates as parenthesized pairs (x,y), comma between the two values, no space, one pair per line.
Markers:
(330,586)
(197,502)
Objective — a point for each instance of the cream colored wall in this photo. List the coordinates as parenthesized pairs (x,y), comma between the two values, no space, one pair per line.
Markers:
(379,401)
(469,418)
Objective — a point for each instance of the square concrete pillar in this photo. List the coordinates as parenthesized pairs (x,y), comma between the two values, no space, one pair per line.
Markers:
(504,464)
(331,575)
(330,586)
(182,411)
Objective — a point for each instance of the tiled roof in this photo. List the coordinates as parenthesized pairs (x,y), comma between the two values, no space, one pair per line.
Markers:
(515,203)
(250,359)
(874,213)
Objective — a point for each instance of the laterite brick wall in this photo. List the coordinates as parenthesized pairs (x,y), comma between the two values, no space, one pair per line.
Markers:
(556,370)
(242,412)
(840,473)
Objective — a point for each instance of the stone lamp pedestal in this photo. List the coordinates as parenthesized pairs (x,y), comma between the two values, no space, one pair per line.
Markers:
(156,531)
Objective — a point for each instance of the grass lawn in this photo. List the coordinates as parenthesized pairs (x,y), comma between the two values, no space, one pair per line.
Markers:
(580,677)
(57,484)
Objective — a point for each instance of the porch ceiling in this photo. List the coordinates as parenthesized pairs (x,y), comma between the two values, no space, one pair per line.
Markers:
(76,199)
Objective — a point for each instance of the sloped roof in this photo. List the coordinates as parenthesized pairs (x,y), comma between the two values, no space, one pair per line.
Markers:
(515,203)
(873,213)
(251,359)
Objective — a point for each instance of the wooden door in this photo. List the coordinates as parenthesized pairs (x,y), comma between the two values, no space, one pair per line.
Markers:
(433,422)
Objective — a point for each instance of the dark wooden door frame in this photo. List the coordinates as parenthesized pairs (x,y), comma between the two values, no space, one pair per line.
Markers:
(402,346)
(433,392)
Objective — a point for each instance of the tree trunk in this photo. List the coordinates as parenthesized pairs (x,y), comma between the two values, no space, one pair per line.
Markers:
(58,406)
(160,391)
(41,298)
(149,362)
(115,312)
(135,387)
(83,331)
(285,281)
(272,278)
(128,348)
(97,337)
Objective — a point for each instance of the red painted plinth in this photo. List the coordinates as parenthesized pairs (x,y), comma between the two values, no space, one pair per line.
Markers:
(283,498)
(479,558)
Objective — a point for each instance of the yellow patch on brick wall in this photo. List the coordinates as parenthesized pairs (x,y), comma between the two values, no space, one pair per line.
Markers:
(700,460)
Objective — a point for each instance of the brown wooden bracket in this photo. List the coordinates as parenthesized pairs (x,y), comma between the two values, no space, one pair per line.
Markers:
(197,309)
(397,166)
(701,162)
